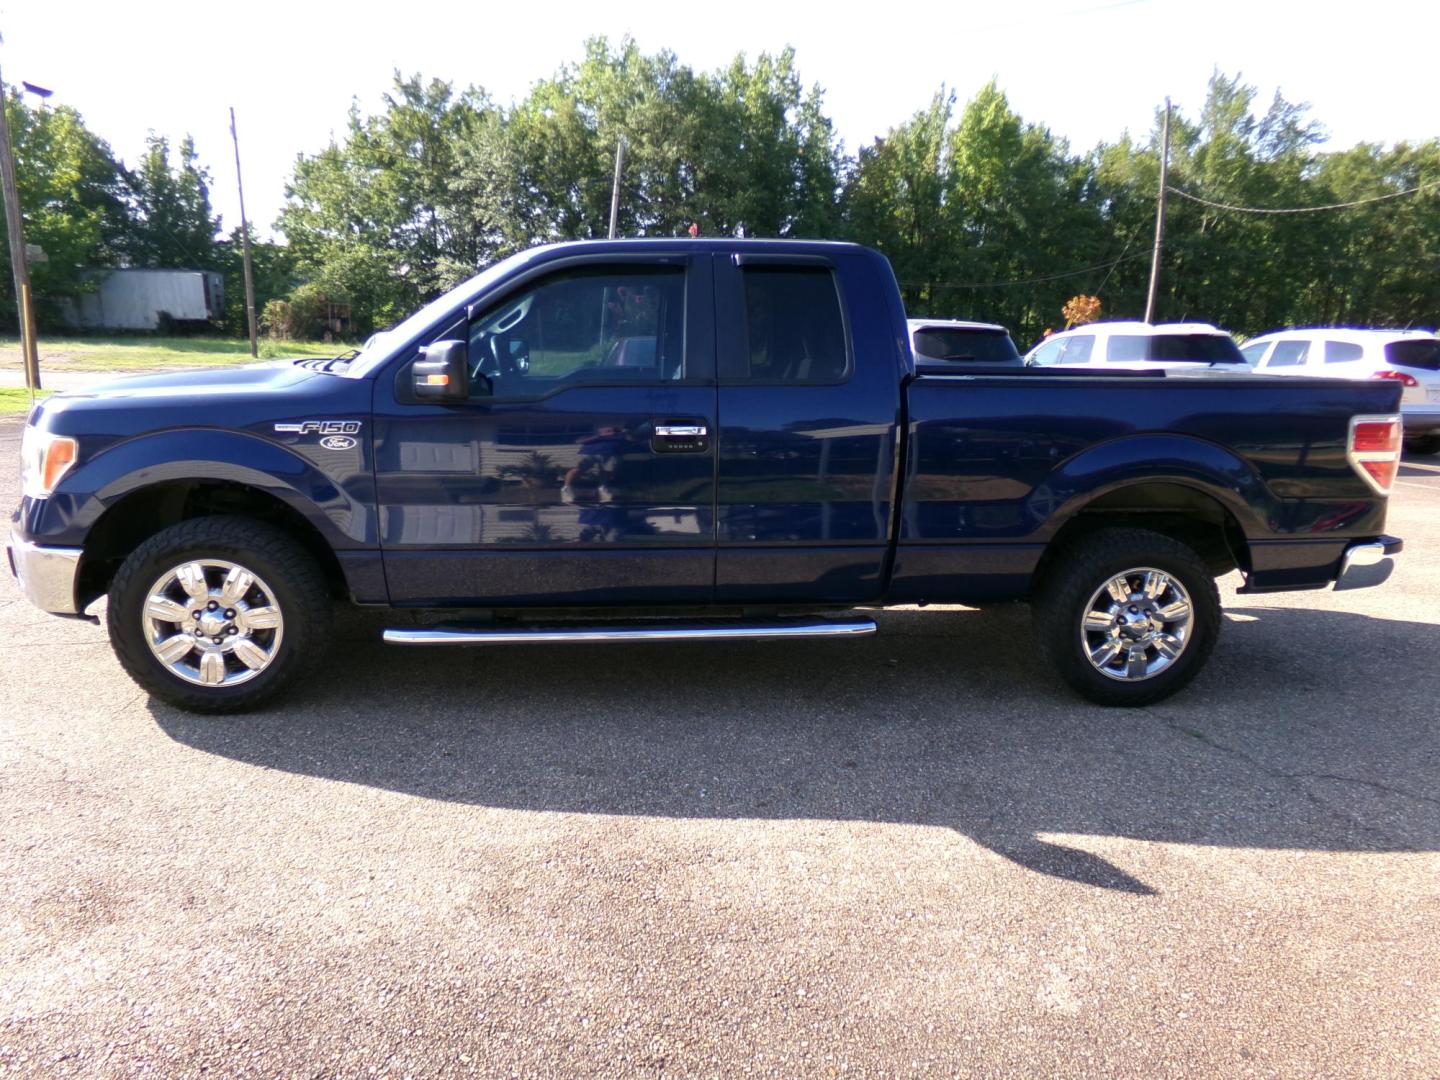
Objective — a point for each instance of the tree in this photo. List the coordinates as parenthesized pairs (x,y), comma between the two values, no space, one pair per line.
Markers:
(896,200)
(173,223)
(375,218)
(72,196)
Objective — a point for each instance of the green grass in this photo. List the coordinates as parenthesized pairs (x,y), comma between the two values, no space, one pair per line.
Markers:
(15,400)
(152,353)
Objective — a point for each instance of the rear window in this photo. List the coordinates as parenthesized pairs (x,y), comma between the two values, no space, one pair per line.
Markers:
(1419,353)
(1195,349)
(1174,349)
(954,343)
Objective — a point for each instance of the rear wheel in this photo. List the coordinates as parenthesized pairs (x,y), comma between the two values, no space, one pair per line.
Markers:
(1127,616)
(218,614)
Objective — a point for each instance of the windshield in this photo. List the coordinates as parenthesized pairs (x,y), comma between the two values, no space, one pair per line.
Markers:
(1174,349)
(965,344)
(1419,353)
(381,346)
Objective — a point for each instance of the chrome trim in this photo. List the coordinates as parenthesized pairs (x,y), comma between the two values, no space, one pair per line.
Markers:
(681,431)
(1355,457)
(1136,624)
(543,635)
(46,575)
(1368,564)
(212,622)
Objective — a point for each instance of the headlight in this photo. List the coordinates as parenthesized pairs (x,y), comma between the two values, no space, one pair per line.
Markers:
(44,459)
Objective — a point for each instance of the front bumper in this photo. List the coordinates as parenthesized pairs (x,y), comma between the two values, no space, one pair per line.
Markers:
(46,574)
(1368,563)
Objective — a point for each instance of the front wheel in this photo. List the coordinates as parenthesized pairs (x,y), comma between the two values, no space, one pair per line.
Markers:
(1127,616)
(218,614)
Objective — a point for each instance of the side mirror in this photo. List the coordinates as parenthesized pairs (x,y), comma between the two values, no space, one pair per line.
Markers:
(442,373)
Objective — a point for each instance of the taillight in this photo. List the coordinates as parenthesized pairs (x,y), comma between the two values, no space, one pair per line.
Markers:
(1396,376)
(1373,450)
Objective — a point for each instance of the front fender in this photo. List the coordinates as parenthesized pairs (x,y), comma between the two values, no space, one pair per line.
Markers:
(336,499)
(1156,458)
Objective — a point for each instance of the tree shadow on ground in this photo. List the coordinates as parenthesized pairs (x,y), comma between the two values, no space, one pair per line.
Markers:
(1310,729)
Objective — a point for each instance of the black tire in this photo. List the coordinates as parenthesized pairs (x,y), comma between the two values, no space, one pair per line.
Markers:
(1078,572)
(299,589)
(1423,445)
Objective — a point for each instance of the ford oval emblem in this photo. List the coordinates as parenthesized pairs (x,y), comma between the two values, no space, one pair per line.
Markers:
(338,442)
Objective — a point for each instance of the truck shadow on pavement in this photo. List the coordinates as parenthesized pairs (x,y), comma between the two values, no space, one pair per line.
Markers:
(1310,730)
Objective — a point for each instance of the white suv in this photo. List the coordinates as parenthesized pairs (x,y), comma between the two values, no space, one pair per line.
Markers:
(1180,347)
(1409,357)
(950,341)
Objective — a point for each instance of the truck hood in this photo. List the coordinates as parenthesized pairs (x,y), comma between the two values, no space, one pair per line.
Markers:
(253,397)
(268,377)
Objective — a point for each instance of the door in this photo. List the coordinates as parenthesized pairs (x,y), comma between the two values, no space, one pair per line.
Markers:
(810,371)
(581,469)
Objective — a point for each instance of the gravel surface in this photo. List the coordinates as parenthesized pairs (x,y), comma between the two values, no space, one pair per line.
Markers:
(915,854)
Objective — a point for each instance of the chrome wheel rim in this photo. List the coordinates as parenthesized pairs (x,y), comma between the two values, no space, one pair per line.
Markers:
(212,622)
(1136,625)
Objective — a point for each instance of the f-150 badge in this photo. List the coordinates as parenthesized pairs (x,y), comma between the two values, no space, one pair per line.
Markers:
(321,427)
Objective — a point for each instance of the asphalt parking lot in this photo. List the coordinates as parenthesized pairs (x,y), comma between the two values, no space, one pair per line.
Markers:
(915,854)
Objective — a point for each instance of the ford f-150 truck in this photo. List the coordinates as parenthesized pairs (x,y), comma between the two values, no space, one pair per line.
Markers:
(685,440)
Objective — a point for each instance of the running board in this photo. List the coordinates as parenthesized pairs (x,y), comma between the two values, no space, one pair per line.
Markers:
(546,635)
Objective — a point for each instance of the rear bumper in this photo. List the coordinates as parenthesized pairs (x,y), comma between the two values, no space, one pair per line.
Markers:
(1421,423)
(46,574)
(1368,563)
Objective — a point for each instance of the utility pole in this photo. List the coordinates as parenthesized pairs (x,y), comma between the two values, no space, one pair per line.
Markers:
(615,190)
(244,241)
(19,265)
(1159,217)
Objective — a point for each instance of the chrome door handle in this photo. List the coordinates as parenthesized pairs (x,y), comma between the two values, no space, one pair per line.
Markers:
(681,431)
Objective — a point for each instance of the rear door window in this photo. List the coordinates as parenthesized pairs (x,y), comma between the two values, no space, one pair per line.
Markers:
(1289,354)
(1128,348)
(795,328)
(1343,352)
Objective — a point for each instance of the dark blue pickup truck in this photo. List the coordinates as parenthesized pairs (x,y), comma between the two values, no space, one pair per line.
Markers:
(685,440)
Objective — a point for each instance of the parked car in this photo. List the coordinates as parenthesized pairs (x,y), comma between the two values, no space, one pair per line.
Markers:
(1408,357)
(954,341)
(780,458)
(1140,346)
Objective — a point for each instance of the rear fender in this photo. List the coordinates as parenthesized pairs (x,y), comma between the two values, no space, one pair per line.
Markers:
(1140,459)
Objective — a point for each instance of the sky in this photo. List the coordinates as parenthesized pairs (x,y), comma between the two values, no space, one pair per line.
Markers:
(1087,69)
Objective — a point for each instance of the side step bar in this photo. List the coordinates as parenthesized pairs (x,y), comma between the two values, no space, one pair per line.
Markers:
(679,631)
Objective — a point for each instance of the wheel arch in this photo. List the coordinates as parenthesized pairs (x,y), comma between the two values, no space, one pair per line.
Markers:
(1177,509)
(145,511)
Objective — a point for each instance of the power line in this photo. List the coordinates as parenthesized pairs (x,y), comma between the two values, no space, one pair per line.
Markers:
(1299,209)
(1024,281)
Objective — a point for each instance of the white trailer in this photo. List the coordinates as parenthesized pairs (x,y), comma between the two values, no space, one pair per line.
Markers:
(135,299)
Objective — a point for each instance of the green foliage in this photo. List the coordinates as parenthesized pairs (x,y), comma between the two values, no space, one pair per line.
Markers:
(274,273)
(173,225)
(373,219)
(72,196)
(983,214)
(419,197)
